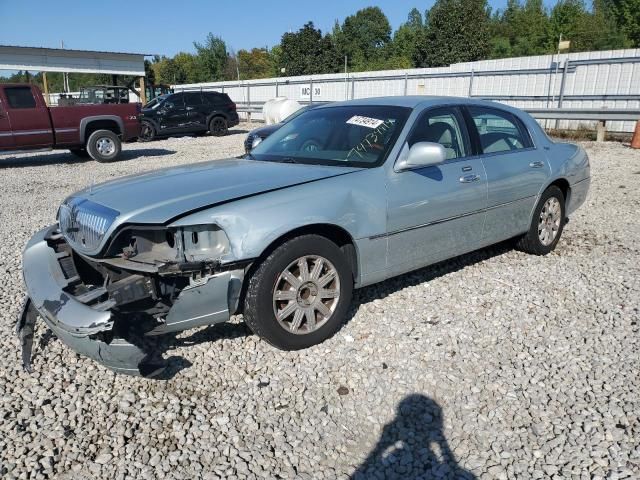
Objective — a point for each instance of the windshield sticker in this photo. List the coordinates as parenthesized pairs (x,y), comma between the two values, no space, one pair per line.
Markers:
(365,121)
(373,141)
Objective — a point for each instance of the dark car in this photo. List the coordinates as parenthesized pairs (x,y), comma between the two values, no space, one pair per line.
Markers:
(259,134)
(188,113)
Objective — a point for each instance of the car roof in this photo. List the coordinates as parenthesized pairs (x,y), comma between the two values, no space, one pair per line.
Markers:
(414,101)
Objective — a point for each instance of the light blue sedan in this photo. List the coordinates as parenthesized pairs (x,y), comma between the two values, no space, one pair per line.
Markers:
(343,196)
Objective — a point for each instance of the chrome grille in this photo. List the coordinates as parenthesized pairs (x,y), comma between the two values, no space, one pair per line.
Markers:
(84,223)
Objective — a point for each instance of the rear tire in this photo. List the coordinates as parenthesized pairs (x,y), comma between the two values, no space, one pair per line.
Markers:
(283,297)
(147,132)
(104,146)
(218,127)
(546,225)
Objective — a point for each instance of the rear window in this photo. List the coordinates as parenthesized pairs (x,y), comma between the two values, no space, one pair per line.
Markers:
(193,98)
(20,97)
(216,98)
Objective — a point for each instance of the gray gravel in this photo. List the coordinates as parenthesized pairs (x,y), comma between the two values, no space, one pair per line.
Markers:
(494,365)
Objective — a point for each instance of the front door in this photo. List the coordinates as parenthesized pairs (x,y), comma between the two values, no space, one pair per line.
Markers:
(516,171)
(29,117)
(438,211)
(174,116)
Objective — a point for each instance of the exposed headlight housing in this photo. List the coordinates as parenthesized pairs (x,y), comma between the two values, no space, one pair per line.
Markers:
(152,245)
(256,141)
(204,242)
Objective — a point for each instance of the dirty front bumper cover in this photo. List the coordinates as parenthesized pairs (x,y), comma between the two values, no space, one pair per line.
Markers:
(88,329)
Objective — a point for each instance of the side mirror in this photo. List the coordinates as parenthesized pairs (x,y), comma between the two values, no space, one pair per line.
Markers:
(421,154)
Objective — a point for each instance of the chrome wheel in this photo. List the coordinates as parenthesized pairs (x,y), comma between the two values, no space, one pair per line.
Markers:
(306,294)
(105,146)
(549,221)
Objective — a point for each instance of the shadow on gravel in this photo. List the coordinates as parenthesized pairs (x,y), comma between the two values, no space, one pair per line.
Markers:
(67,158)
(166,343)
(413,446)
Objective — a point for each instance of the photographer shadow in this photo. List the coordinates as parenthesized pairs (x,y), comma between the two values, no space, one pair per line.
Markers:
(413,446)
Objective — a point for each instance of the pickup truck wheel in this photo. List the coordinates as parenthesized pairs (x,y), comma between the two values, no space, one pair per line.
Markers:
(104,146)
(147,132)
(79,152)
(218,127)
(300,294)
(547,224)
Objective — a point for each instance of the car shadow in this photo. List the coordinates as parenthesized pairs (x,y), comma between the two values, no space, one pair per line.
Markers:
(67,158)
(413,446)
(162,345)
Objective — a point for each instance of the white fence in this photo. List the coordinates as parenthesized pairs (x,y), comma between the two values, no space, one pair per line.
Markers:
(589,80)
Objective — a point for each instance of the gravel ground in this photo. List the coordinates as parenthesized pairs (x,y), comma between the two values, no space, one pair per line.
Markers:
(493,365)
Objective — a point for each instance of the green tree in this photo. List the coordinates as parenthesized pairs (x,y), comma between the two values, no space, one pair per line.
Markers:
(409,40)
(457,31)
(520,30)
(364,38)
(256,63)
(308,52)
(627,15)
(212,57)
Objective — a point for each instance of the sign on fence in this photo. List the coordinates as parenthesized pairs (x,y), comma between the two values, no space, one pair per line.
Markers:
(305,92)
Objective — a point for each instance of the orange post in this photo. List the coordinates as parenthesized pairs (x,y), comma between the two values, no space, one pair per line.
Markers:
(635,141)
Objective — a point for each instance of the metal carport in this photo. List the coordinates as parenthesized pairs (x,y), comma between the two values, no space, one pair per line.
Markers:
(72,61)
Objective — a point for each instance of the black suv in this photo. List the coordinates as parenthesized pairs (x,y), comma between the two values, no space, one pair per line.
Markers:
(188,112)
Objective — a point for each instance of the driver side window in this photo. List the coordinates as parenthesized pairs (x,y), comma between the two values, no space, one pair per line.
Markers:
(441,125)
(498,131)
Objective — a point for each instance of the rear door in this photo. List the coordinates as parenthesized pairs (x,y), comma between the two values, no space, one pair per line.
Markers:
(197,110)
(516,170)
(28,116)
(6,137)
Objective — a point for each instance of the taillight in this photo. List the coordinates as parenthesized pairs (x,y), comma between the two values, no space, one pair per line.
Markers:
(232,106)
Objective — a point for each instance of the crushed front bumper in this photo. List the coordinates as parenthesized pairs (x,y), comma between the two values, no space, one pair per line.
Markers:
(89,329)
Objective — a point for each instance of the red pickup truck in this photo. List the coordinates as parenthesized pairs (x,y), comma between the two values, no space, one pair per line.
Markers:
(26,123)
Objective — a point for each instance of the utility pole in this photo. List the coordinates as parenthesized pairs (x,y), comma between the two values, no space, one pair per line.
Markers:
(346,78)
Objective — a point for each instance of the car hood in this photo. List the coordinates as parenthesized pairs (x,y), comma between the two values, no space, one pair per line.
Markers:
(163,195)
(266,130)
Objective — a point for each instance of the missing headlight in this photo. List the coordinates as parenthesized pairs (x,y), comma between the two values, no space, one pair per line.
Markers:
(204,242)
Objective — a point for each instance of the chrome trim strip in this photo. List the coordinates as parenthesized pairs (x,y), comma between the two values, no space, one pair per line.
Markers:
(448,219)
(30,132)
(66,130)
(5,134)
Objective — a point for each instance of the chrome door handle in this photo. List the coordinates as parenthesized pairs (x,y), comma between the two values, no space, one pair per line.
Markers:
(469,178)
(536,164)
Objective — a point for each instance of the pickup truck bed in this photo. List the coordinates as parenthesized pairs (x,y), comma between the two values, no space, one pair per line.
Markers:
(27,123)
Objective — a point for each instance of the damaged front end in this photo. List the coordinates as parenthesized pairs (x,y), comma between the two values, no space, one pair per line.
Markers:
(149,281)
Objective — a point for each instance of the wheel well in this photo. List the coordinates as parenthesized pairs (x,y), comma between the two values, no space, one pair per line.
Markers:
(217,114)
(336,234)
(564,186)
(101,125)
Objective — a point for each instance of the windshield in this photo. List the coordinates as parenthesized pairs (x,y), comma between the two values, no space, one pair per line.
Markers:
(354,136)
(153,104)
(297,113)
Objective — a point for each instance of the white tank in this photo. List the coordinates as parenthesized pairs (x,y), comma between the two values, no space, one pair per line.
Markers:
(279,108)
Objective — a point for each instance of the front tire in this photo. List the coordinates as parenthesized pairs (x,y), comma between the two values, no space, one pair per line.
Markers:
(104,146)
(147,132)
(300,294)
(218,127)
(546,225)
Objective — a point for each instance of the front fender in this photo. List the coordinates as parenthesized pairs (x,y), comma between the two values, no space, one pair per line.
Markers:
(355,203)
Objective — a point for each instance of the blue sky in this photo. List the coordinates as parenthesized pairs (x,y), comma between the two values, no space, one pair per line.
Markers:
(167,27)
